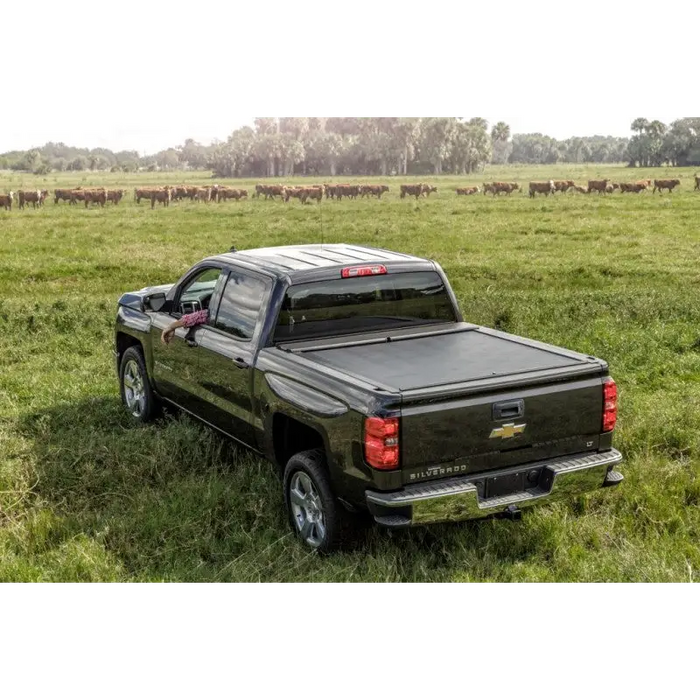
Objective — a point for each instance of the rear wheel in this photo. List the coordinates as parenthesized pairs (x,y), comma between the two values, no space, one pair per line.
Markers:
(137,395)
(314,513)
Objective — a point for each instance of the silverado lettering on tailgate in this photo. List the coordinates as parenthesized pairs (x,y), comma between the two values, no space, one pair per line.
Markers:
(432,472)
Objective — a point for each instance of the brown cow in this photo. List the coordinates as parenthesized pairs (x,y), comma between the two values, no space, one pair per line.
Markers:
(697,182)
(273,191)
(76,195)
(115,196)
(497,187)
(545,188)
(312,193)
(96,197)
(303,194)
(563,185)
(79,194)
(62,195)
(270,191)
(635,187)
(351,191)
(225,193)
(144,193)
(26,196)
(203,194)
(288,192)
(468,190)
(373,190)
(6,201)
(163,196)
(179,193)
(415,190)
(665,185)
(598,185)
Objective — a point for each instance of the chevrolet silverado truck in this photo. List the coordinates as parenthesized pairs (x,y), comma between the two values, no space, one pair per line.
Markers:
(352,369)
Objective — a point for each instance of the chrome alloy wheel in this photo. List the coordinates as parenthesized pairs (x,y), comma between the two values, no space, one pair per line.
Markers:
(307,509)
(134,392)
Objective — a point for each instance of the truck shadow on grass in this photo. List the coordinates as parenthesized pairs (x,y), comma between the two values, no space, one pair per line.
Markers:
(175,501)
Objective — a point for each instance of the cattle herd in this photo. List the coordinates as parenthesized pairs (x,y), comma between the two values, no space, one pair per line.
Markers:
(217,193)
(548,187)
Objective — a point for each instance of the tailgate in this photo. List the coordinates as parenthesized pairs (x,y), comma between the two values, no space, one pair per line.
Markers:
(472,433)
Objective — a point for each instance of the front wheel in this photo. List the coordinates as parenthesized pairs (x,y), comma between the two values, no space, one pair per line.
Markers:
(135,387)
(314,513)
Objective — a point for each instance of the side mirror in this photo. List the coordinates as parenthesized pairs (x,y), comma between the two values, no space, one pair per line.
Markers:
(154,302)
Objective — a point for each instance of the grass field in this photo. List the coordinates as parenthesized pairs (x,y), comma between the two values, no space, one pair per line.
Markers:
(84,495)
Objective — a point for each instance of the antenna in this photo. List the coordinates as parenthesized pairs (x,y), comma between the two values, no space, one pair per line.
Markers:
(320,209)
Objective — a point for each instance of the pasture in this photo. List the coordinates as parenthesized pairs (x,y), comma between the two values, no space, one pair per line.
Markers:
(84,495)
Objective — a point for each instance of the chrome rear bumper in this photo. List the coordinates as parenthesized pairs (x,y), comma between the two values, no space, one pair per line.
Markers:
(458,498)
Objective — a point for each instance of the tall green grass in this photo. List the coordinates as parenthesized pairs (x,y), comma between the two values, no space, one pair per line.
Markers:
(85,495)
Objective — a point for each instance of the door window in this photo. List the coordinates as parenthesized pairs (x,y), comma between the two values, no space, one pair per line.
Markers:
(198,292)
(240,305)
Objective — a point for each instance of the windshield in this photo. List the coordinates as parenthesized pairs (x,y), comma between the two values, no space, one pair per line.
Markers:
(360,304)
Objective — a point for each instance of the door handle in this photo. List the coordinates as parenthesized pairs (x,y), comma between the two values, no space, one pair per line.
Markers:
(240,363)
(191,342)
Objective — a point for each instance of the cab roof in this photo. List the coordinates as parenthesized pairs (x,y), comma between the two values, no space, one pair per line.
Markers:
(297,262)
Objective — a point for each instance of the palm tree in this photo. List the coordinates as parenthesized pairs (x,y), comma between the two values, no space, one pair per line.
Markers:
(266,125)
(656,129)
(479,123)
(640,125)
(500,132)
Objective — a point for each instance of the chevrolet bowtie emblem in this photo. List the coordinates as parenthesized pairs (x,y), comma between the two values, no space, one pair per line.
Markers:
(508,430)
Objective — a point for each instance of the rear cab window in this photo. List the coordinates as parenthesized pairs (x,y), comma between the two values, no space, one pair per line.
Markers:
(362,304)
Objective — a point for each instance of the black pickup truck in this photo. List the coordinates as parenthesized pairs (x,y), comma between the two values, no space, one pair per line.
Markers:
(353,370)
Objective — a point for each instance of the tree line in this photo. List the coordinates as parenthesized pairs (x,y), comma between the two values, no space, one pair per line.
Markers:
(339,146)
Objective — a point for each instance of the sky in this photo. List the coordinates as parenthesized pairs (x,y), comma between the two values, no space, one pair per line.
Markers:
(151,133)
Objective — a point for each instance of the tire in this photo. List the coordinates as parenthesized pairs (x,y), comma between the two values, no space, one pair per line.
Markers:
(135,387)
(315,515)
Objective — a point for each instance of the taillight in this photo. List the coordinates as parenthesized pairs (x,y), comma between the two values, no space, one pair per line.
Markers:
(382,442)
(609,404)
(363,271)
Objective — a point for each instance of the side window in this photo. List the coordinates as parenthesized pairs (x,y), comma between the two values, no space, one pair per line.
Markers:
(240,305)
(197,293)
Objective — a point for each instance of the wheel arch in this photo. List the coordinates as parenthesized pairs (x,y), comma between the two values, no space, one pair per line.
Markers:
(125,341)
(291,436)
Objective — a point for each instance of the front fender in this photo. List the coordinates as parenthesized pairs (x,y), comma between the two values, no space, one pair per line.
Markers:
(137,325)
